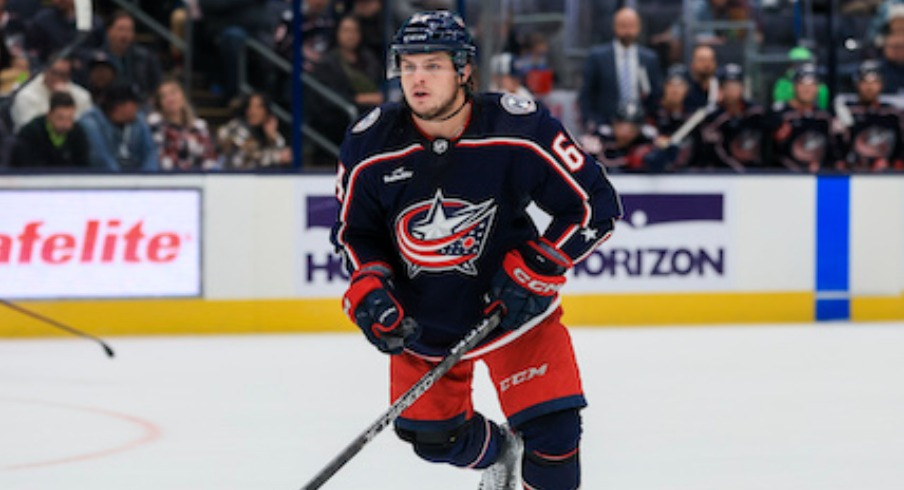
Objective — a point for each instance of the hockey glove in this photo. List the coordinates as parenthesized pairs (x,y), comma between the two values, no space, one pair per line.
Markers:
(370,304)
(531,276)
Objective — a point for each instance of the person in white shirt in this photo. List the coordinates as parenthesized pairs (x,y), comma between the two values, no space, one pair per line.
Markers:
(34,99)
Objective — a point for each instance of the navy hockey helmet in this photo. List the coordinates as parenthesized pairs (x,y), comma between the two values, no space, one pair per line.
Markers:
(807,72)
(676,73)
(869,69)
(630,112)
(732,72)
(429,32)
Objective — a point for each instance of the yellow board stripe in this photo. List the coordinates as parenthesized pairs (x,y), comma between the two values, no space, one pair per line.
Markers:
(194,316)
(877,308)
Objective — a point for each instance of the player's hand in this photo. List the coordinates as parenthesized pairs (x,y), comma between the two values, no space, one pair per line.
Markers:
(369,303)
(528,282)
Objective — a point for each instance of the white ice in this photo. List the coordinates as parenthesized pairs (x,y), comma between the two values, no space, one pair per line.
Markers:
(793,407)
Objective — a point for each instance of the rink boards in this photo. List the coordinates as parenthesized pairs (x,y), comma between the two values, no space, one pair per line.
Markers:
(250,253)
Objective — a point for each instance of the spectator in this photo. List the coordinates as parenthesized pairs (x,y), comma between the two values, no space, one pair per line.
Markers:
(54,141)
(229,23)
(34,99)
(13,29)
(802,133)
(893,64)
(53,28)
(183,139)
(620,71)
(873,139)
(318,28)
(533,61)
(135,65)
(252,140)
(733,134)
(370,16)
(506,76)
(783,90)
(101,74)
(120,139)
(354,74)
(703,84)
(14,67)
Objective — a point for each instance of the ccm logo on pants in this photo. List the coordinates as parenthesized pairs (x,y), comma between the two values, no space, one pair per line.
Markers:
(522,376)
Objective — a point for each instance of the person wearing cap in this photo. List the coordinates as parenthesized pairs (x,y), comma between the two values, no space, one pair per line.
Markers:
(100,73)
(804,137)
(783,89)
(733,134)
(872,137)
(120,140)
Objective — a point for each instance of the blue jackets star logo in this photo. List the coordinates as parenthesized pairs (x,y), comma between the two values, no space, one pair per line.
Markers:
(443,234)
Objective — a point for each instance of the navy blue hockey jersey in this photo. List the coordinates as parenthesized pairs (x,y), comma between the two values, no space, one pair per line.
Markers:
(443,213)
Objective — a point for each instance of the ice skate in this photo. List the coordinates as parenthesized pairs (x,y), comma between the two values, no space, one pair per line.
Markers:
(505,473)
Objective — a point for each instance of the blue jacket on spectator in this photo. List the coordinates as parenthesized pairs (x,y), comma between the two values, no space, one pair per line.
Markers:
(117,149)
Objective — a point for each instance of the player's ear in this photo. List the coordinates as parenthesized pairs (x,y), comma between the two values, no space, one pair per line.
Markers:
(466,73)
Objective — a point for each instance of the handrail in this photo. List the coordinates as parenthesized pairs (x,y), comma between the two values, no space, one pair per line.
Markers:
(282,114)
(280,63)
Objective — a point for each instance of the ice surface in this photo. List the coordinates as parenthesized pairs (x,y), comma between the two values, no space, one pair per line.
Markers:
(791,407)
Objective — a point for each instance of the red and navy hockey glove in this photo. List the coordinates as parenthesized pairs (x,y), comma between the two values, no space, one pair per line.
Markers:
(370,304)
(531,276)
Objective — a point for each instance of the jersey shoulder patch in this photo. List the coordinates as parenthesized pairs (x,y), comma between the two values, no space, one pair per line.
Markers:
(367,121)
(517,105)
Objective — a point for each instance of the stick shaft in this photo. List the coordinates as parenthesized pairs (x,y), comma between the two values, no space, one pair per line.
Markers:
(52,322)
(470,340)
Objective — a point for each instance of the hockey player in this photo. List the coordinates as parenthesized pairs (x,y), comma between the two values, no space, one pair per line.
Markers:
(668,118)
(872,128)
(434,229)
(627,143)
(805,137)
(733,133)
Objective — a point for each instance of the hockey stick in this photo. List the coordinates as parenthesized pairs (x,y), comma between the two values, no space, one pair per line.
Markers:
(689,125)
(407,399)
(62,326)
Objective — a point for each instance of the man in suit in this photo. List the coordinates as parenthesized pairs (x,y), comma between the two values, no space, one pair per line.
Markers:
(619,72)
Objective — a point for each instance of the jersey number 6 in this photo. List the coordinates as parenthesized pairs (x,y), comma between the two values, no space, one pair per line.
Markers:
(568,153)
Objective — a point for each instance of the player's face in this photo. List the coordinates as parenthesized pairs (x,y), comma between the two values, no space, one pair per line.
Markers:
(431,84)
(624,132)
(674,91)
(732,91)
(806,91)
(869,88)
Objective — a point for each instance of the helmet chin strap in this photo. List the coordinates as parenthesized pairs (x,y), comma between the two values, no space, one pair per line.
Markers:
(456,111)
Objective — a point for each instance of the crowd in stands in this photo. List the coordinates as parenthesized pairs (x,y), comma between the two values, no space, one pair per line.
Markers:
(103,102)
(647,102)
